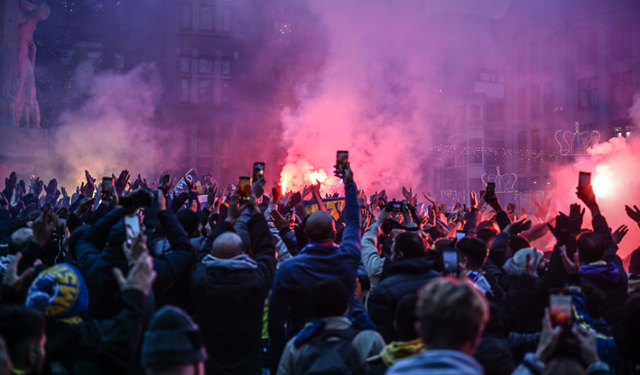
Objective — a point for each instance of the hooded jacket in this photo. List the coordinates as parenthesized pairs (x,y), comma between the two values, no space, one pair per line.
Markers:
(437,362)
(406,276)
(229,296)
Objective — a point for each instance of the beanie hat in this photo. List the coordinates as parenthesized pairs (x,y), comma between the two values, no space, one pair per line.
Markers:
(515,265)
(172,339)
(59,292)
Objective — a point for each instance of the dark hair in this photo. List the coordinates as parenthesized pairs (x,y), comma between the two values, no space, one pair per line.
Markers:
(518,243)
(188,220)
(14,245)
(329,298)
(590,247)
(443,243)
(595,299)
(634,262)
(409,244)
(486,234)
(406,318)
(19,326)
(474,249)
(452,313)
(75,237)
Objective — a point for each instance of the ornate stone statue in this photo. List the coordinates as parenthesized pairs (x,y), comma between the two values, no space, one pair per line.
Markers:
(21,106)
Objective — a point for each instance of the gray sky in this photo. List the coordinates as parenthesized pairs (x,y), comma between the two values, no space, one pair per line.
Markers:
(486,8)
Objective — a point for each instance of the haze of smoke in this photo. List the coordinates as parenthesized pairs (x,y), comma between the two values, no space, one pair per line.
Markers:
(112,130)
(372,100)
(615,180)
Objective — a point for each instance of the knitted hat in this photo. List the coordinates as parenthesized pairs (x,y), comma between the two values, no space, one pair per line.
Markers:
(59,292)
(172,339)
(515,266)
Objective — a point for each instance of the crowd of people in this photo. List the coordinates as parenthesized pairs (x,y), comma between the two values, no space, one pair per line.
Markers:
(133,278)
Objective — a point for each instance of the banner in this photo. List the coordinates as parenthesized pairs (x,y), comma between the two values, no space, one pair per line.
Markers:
(181,187)
(311,206)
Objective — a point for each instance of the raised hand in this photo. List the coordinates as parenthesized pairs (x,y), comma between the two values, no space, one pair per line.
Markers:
(44,226)
(548,339)
(258,187)
(587,196)
(633,213)
(562,230)
(11,277)
(306,190)
(38,185)
(52,187)
(619,234)
(140,277)
(588,344)
(572,267)
(575,219)
(276,193)
(10,182)
(135,246)
(120,183)
(473,201)
(84,206)
(518,227)
(348,174)
(278,221)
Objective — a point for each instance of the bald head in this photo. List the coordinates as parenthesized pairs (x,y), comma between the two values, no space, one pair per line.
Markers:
(320,227)
(227,245)
(19,239)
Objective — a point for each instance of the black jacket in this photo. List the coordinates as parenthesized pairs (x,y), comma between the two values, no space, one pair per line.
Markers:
(229,297)
(615,292)
(406,276)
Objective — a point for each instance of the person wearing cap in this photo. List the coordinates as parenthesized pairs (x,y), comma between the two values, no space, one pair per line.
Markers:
(173,344)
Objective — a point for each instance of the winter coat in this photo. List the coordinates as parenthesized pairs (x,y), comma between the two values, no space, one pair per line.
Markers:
(406,276)
(229,297)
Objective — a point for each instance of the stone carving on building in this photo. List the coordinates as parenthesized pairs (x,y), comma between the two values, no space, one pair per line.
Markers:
(19,104)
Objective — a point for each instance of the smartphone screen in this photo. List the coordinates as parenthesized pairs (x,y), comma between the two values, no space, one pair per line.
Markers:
(491,188)
(133,222)
(460,235)
(584,180)
(560,310)
(258,171)
(395,206)
(511,207)
(341,161)
(107,184)
(450,262)
(244,189)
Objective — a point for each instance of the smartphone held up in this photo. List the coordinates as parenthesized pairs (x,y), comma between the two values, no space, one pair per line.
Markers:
(258,172)
(244,189)
(342,161)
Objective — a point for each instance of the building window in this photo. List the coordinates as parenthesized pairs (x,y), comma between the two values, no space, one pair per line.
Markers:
(521,102)
(226,20)
(185,64)
(94,56)
(205,91)
(206,17)
(548,98)
(186,16)
(205,66)
(548,54)
(184,90)
(521,56)
(621,89)
(522,140)
(534,55)
(535,140)
(226,67)
(587,93)
(475,111)
(226,91)
(587,47)
(619,36)
(534,101)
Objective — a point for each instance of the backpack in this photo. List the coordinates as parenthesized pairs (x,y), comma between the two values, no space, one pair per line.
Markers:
(321,356)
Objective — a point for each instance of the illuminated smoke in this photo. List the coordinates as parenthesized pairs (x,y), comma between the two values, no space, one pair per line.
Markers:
(373,99)
(113,130)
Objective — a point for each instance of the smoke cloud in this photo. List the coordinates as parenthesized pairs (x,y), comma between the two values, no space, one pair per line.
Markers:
(614,178)
(373,99)
(113,129)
